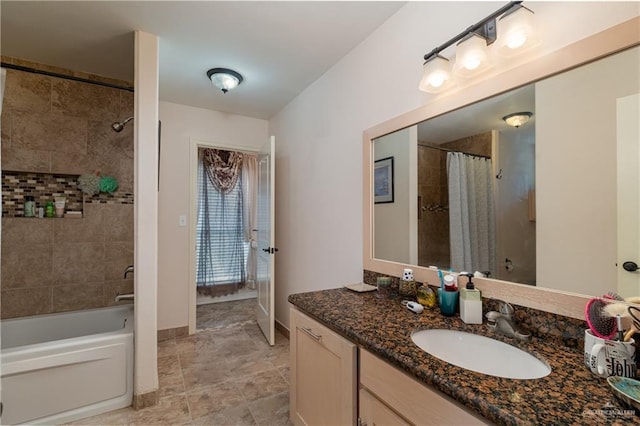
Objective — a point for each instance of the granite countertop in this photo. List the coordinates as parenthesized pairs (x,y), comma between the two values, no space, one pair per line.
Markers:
(569,395)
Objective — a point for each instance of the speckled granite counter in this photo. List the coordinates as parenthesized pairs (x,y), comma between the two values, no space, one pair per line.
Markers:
(569,395)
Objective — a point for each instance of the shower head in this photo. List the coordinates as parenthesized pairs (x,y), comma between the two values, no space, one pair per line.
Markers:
(117,127)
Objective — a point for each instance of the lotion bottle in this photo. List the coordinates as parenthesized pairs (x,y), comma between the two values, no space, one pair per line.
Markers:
(470,303)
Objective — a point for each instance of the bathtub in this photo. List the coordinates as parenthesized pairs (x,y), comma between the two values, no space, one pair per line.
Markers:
(62,367)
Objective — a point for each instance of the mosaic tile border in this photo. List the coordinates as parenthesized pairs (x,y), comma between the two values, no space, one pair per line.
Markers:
(44,187)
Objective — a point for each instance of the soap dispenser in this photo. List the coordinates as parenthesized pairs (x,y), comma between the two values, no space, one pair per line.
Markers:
(470,302)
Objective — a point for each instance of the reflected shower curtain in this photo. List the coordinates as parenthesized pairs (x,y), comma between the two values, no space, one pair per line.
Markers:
(471,213)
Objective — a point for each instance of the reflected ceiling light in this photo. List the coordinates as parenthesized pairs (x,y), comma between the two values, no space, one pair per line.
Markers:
(471,56)
(436,75)
(514,32)
(517,32)
(224,78)
(517,119)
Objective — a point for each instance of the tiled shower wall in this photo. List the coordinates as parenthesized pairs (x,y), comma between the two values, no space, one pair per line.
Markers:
(55,126)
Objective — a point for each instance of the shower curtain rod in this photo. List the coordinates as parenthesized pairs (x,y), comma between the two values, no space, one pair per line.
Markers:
(453,150)
(66,77)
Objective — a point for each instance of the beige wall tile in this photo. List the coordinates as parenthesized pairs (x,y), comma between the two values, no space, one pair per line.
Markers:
(127,105)
(25,160)
(118,222)
(85,100)
(17,231)
(49,131)
(78,262)
(25,302)
(26,265)
(71,163)
(102,141)
(89,229)
(5,128)
(77,296)
(27,92)
(114,287)
(117,256)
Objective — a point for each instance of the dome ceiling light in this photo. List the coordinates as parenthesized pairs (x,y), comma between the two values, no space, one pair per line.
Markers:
(224,78)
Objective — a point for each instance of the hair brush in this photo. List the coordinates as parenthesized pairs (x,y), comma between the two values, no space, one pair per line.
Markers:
(600,323)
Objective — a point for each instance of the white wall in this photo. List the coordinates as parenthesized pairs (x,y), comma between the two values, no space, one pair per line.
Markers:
(576,173)
(179,124)
(319,171)
(146,232)
(392,221)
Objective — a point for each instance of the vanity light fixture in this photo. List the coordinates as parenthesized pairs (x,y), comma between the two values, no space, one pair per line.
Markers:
(517,119)
(471,56)
(513,32)
(224,78)
(517,32)
(436,75)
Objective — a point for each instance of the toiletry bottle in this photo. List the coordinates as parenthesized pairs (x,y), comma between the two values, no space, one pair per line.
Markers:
(425,296)
(29,206)
(470,303)
(49,209)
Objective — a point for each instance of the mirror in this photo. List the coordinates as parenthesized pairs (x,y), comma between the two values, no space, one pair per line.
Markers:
(564,185)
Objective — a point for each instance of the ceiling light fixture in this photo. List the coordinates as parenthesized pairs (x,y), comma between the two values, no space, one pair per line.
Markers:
(517,119)
(514,33)
(224,78)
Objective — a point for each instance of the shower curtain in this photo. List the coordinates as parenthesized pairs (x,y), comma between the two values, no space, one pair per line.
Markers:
(471,213)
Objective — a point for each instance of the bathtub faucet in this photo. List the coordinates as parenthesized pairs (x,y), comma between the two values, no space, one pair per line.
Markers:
(120,297)
(127,270)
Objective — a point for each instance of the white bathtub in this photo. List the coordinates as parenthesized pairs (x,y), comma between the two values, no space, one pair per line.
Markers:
(62,367)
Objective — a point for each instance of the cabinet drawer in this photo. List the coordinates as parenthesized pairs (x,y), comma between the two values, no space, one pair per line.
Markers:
(412,399)
(323,374)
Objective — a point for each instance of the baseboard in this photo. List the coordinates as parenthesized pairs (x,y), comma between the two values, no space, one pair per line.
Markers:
(173,333)
(282,329)
(145,400)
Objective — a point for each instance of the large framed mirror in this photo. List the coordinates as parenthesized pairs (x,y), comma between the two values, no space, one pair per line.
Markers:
(550,209)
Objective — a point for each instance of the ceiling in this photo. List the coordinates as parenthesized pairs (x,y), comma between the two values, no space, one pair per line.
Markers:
(280,48)
(478,118)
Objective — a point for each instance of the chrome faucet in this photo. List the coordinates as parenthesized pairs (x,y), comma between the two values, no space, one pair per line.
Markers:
(120,297)
(504,323)
(127,270)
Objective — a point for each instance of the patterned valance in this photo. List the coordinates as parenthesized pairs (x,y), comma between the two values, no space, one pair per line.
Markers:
(223,168)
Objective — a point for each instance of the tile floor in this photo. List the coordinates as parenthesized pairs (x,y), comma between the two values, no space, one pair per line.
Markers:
(225,374)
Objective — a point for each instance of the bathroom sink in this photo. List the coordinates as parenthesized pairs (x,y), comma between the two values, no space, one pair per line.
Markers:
(481,354)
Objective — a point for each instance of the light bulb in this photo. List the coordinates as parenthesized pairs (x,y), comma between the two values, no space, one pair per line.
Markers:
(436,76)
(516,32)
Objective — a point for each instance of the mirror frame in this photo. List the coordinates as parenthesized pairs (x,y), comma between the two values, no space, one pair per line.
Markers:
(599,45)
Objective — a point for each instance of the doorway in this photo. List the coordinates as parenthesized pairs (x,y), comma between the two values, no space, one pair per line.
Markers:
(226,214)
(243,280)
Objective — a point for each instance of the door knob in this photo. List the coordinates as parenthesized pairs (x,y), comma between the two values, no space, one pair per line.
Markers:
(630,266)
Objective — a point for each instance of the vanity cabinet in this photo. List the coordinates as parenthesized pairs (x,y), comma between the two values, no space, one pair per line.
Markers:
(323,378)
(390,396)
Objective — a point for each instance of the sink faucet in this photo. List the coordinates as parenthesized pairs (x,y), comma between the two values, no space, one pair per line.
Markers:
(504,323)
(120,297)
(127,270)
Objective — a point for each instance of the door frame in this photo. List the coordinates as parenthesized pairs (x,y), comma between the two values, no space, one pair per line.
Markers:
(194,144)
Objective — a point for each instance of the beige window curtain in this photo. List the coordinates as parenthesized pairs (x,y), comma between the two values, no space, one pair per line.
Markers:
(223,168)
(250,213)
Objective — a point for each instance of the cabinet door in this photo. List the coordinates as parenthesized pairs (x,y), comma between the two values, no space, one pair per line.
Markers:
(375,413)
(323,374)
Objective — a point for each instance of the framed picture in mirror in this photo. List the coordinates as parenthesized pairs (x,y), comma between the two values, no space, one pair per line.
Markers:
(383,181)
